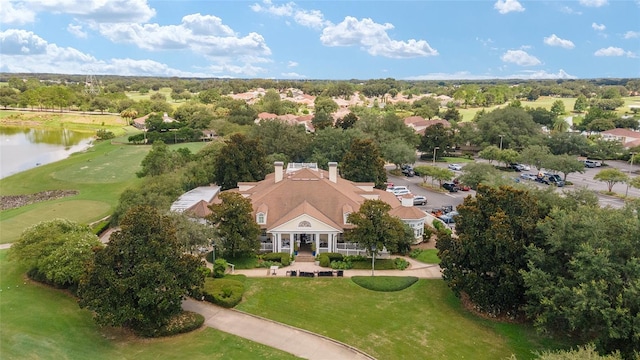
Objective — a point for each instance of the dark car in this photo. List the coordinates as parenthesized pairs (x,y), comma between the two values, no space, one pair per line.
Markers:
(450,186)
(554,179)
(407,170)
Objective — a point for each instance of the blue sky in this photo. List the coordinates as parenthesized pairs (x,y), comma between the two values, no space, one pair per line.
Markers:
(345,39)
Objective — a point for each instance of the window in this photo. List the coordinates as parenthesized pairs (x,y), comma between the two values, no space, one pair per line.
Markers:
(346,215)
(261,218)
(304,223)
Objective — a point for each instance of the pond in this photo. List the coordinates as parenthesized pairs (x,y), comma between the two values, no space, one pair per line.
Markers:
(25,148)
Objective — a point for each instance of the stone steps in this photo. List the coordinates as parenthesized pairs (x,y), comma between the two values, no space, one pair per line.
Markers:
(305,258)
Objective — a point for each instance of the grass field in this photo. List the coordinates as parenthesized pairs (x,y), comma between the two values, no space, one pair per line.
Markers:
(42,323)
(429,256)
(100,174)
(424,321)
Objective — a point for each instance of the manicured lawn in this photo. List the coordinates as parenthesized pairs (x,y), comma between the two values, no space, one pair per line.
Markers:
(42,323)
(424,321)
(100,174)
(429,256)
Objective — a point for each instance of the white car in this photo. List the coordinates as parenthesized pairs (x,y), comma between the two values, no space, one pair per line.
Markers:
(401,192)
(456,167)
(525,167)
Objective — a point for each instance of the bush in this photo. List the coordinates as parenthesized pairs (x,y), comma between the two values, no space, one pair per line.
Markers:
(401,263)
(334,256)
(385,283)
(283,258)
(441,227)
(100,227)
(341,265)
(219,268)
(103,134)
(223,292)
(324,260)
(415,253)
(427,232)
(179,324)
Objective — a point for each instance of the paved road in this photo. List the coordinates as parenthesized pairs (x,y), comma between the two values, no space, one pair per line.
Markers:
(295,341)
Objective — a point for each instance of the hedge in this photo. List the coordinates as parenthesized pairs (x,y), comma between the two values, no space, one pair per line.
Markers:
(282,257)
(224,292)
(179,324)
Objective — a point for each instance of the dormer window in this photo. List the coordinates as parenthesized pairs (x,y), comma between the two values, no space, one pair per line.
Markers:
(261,218)
(346,216)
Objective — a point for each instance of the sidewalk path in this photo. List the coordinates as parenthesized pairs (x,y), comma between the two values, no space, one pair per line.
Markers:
(295,341)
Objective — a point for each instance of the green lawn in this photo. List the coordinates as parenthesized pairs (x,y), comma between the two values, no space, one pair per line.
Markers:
(429,256)
(42,323)
(100,174)
(424,321)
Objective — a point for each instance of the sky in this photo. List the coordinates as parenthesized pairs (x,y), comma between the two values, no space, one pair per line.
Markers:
(332,40)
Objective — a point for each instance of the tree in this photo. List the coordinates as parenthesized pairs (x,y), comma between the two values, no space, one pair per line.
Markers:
(567,143)
(611,177)
(332,144)
(191,234)
(376,230)
(635,182)
(557,108)
(272,135)
(484,261)
(508,156)
(242,159)
(490,153)
(605,149)
(542,116)
(474,174)
(398,152)
(321,120)
(581,104)
(56,251)
(363,163)
(535,155)
(514,124)
(128,115)
(159,160)
(565,164)
(582,279)
(236,229)
(436,136)
(141,277)
(347,121)
(325,104)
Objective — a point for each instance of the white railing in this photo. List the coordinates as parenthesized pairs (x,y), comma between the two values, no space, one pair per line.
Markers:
(266,246)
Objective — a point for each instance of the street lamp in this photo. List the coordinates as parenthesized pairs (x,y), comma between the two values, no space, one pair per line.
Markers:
(434,154)
(630,170)
(501,136)
(373,258)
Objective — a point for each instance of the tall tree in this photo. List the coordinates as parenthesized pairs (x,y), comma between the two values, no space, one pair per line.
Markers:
(557,108)
(583,279)
(363,163)
(581,104)
(484,260)
(436,136)
(513,124)
(376,230)
(398,152)
(322,120)
(140,278)
(236,229)
(242,159)
(535,155)
(159,160)
(565,164)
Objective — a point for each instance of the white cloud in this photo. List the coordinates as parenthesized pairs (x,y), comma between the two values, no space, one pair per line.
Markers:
(292,64)
(465,75)
(19,14)
(111,11)
(313,19)
(282,10)
(76,30)
(614,51)
(201,34)
(594,3)
(554,40)
(310,18)
(520,57)
(568,10)
(25,52)
(292,75)
(507,6)
(598,27)
(632,34)
(373,38)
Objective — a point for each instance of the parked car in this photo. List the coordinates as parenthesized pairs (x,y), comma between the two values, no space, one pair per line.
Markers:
(419,200)
(516,167)
(528,176)
(461,186)
(554,179)
(456,167)
(450,186)
(401,192)
(408,171)
(592,163)
(449,218)
(392,189)
(525,167)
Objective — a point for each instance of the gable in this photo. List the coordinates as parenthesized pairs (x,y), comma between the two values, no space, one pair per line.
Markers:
(304,223)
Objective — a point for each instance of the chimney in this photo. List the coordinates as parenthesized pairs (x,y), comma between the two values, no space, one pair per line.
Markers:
(407,200)
(278,167)
(333,172)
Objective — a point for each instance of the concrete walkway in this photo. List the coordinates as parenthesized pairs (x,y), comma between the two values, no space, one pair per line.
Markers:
(295,341)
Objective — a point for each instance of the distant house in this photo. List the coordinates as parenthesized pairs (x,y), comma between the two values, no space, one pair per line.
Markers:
(419,124)
(208,135)
(628,138)
(195,202)
(141,122)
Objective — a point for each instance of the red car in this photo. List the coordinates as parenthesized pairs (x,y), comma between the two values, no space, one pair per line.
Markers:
(460,186)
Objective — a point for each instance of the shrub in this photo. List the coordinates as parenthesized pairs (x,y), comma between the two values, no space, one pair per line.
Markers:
(223,292)
(283,258)
(100,227)
(427,232)
(441,227)
(415,253)
(385,283)
(179,324)
(401,263)
(103,134)
(324,260)
(334,256)
(219,267)
(341,265)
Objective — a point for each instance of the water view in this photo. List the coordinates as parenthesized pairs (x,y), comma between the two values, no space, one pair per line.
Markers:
(25,148)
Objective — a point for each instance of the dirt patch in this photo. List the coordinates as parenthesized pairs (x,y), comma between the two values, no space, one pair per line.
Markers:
(15,201)
(504,318)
